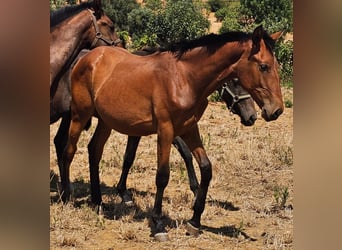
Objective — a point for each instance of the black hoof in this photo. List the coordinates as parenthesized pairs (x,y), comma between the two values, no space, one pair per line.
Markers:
(126,198)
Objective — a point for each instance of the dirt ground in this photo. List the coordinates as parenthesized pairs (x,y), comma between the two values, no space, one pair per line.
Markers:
(249,203)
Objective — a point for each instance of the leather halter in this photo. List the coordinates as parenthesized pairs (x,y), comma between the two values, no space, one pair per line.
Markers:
(99,35)
(236,98)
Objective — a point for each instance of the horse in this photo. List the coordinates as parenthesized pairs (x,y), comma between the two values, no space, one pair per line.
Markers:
(237,100)
(73,28)
(166,93)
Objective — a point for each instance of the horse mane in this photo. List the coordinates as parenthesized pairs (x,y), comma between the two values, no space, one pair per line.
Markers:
(62,14)
(214,41)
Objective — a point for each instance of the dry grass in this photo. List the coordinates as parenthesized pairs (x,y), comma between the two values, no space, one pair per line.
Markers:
(249,203)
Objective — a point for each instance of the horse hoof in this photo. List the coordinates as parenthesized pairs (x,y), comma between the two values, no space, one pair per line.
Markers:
(161,237)
(191,230)
(129,203)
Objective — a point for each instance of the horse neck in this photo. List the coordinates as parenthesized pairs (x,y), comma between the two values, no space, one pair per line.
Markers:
(206,71)
(67,40)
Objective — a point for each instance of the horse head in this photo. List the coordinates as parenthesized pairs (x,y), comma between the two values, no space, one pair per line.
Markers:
(257,71)
(103,29)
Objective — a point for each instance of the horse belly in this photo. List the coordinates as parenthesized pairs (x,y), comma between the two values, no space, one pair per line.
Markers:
(125,116)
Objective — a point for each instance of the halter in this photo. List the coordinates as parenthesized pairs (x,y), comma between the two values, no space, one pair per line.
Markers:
(236,98)
(99,35)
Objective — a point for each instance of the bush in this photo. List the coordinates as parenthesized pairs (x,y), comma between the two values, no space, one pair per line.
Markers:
(284,54)
(215,5)
(179,20)
(231,18)
(274,15)
(117,11)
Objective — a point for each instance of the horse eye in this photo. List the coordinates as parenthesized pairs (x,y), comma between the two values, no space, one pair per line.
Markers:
(263,67)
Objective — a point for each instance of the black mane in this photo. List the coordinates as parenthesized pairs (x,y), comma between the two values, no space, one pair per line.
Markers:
(61,14)
(214,41)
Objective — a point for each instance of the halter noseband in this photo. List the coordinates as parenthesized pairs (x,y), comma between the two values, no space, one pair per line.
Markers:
(236,98)
(99,35)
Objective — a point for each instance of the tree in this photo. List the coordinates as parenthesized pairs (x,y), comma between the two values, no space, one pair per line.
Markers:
(178,21)
(117,11)
(274,15)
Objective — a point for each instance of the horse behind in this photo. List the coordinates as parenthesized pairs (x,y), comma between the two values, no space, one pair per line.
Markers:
(72,29)
(166,93)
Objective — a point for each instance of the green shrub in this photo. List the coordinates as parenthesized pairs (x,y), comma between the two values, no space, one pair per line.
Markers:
(179,20)
(117,11)
(215,5)
(231,18)
(284,54)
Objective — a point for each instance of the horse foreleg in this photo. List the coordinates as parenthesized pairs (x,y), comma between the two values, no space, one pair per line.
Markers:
(75,129)
(165,137)
(95,150)
(187,157)
(193,140)
(131,149)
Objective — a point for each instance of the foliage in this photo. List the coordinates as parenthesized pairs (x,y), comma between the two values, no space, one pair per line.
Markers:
(230,18)
(215,5)
(154,5)
(56,4)
(281,195)
(274,15)
(179,20)
(117,11)
(138,20)
(284,54)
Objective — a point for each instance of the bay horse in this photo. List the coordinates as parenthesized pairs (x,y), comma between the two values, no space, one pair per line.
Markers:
(238,102)
(166,93)
(73,28)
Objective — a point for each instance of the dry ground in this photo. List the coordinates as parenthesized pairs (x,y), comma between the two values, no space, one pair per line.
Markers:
(249,202)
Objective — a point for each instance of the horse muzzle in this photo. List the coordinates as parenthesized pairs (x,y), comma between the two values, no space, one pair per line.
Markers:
(271,116)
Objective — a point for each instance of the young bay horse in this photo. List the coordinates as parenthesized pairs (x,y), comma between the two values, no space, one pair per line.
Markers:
(73,28)
(238,102)
(166,93)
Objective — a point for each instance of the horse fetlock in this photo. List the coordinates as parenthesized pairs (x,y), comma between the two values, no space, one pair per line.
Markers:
(126,198)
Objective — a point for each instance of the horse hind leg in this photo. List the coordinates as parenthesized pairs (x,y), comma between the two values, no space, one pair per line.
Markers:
(187,157)
(95,149)
(131,149)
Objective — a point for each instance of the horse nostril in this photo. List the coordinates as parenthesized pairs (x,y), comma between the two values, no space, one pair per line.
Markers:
(276,114)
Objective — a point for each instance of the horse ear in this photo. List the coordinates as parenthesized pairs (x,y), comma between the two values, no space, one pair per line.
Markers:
(98,8)
(257,35)
(277,35)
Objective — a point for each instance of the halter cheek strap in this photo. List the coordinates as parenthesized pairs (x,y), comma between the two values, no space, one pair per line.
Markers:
(236,98)
(99,35)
